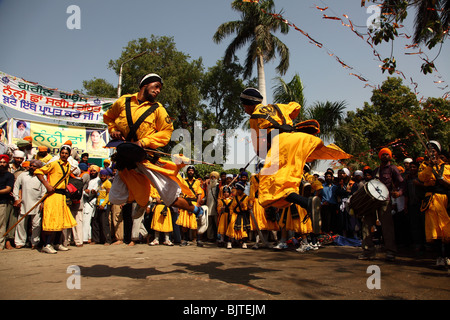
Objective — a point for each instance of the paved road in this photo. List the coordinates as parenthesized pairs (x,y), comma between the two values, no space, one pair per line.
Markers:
(211,273)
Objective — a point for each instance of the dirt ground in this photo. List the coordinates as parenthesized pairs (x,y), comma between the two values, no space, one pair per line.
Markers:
(142,272)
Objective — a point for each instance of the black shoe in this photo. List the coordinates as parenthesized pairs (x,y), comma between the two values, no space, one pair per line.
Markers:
(366,256)
(390,257)
(184,243)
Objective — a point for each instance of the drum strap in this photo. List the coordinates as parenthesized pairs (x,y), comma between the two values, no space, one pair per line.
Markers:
(135,126)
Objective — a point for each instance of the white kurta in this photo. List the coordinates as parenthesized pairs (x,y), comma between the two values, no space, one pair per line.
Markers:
(89,206)
(32,191)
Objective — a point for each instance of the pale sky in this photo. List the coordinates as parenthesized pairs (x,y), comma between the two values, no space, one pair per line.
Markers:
(38,46)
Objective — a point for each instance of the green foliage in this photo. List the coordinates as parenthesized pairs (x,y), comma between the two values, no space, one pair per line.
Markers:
(431,26)
(221,87)
(394,119)
(328,114)
(99,88)
(285,92)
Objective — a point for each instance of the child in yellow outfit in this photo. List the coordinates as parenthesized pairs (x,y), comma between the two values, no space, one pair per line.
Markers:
(239,222)
(223,212)
(161,220)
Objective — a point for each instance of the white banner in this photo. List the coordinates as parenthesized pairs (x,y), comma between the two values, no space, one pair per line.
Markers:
(38,100)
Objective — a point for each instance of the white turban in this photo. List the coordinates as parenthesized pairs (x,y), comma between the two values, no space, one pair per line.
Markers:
(18,154)
(408,160)
(358,173)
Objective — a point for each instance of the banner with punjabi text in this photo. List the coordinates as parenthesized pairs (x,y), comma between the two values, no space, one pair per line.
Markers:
(90,140)
(41,101)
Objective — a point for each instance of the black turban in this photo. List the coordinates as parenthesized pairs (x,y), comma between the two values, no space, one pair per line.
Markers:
(251,96)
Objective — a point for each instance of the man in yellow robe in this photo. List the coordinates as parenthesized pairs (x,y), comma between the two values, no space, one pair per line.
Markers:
(186,219)
(138,118)
(288,149)
(56,216)
(435,174)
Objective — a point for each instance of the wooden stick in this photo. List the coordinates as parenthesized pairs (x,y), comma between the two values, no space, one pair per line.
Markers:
(252,215)
(244,170)
(168,154)
(37,203)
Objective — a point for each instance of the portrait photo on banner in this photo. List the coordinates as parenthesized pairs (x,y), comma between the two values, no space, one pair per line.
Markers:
(95,143)
(21,129)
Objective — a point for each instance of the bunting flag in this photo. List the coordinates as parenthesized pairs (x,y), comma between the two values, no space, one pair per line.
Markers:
(348,23)
(369,41)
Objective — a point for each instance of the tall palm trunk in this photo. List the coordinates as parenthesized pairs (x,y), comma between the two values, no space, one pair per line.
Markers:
(261,78)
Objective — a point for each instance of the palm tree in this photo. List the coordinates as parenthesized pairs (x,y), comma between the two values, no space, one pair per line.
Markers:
(291,91)
(255,28)
(284,92)
(434,15)
(329,115)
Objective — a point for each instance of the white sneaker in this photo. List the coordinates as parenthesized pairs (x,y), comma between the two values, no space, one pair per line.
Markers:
(281,246)
(60,247)
(314,246)
(155,242)
(229,246)
(440,262)
(48,249)
(244,245)
(304,246)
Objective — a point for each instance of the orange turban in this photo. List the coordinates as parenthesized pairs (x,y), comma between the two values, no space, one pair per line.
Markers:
(26,164)
(95,167)
(42,148)
(68,142)
(385,150)
(29,138)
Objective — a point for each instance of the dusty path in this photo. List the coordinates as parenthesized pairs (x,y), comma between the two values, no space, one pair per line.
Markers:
(211,273)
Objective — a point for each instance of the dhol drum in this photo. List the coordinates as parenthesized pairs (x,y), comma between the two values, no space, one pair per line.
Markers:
(373,195)
(202,221)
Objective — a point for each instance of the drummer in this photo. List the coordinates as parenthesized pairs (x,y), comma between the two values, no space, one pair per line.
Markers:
(389,175)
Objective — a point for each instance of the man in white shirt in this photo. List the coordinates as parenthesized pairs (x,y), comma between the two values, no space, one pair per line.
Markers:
(28,190)
(90,200)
